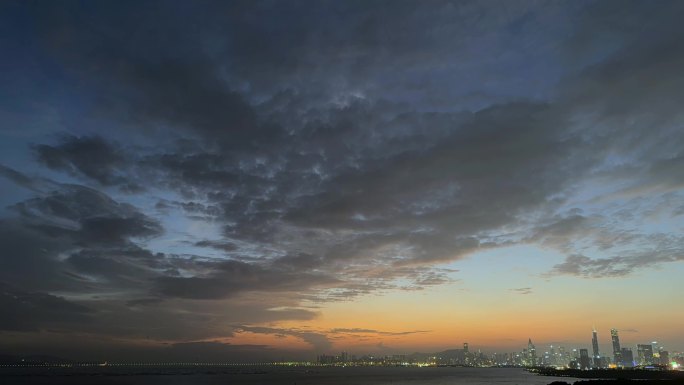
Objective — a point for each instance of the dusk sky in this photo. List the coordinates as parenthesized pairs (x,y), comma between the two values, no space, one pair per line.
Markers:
(266,179)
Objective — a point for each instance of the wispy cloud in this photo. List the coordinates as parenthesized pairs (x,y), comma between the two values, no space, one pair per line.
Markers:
(373,331)
(522,290)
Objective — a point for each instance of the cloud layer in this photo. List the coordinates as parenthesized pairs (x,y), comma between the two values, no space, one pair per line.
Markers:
(240,164)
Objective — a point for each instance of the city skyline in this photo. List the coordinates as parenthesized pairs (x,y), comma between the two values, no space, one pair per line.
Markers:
(274,179)
(549,355)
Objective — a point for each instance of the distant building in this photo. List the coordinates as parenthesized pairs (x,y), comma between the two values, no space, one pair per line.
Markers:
(398,359)
(531,353)
(617,352)
(595,350)
(664,357)
(645,354)
(518,358)
(326,359)
(584,361)
(466,354)
(564,356)
(552,357)
(627,357)
(502,359)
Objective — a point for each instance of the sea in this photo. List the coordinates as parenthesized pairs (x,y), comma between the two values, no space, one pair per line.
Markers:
(277,376)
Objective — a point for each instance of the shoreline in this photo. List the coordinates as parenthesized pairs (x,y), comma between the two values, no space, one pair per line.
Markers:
(611,374)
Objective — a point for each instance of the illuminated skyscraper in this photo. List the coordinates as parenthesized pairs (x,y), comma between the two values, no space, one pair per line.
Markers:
(532,353)
(595,348)
(645,354)
(466,354)
(616,347)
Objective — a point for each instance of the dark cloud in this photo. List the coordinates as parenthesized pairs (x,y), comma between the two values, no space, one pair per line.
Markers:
(228,278)
(156,75)
(319,341)
(219,245)
(618,266)
(561,231)
(92,157)
(87,216)
(19,178)
(373,331)
(116,230)
(144,302)
(33,311)
(298,262)
(123,270)
(435,202)
(270,158)
(69,234)
(32,262)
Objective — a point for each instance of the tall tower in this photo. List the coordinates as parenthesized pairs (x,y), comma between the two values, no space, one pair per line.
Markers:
(617,353)
(466,354)
(532,352)
(594,345)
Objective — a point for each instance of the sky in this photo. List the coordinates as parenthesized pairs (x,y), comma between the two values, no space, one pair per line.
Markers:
(248,180)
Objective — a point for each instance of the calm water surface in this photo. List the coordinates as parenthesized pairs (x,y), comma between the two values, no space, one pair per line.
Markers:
(279,376)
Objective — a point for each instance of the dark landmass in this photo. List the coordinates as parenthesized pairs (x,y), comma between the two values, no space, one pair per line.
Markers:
(612,374)
(622,381)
